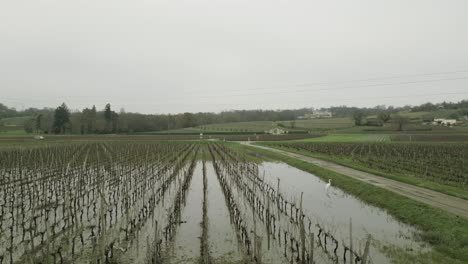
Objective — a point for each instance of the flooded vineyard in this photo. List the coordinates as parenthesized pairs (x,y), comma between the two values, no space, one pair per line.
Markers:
(181,203)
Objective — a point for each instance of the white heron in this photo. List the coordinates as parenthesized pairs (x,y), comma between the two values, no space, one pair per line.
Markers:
(328,184)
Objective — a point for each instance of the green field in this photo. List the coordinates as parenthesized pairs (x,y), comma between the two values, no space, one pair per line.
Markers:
(261,126)
(348,138)
(343,129)
(321,124)
(12,131)
(441,113)
(15,121)
(13,125)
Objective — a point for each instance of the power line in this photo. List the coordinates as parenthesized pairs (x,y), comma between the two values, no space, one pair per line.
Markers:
(357,80)
(348,81)
(183,100)
(312,84)
(178,99)
(338,88)
(297,104)
(127,102)
(317,99)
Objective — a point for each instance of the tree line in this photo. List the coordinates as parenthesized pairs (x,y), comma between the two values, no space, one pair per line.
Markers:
(90,120)
(63,120)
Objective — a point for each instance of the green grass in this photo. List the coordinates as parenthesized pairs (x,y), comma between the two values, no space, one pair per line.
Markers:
(347,138)
(321,124)
(12,132)
(447,233)
(13,126)
(180,130)
(261,126)
(15,121)
(334,125)
(239,126)
(441,113)
(446,189)
(387,128)
(363,137)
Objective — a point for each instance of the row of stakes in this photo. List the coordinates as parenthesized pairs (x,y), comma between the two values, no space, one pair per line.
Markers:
(294,213)
(68,222)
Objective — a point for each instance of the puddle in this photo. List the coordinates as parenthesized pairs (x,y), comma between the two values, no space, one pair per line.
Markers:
(333,209)
(222,237)
(185,248)
(239,217)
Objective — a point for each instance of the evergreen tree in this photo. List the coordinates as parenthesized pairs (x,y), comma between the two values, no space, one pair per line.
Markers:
(108,117)
(61,119)
(92,120)
(108,113)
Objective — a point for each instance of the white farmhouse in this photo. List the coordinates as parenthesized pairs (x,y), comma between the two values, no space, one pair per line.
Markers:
(317,114)
(276,131)
(444,122)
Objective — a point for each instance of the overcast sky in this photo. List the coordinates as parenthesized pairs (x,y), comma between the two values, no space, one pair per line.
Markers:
(174,56)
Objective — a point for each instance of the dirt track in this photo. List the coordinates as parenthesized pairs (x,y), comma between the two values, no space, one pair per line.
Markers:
(449,203)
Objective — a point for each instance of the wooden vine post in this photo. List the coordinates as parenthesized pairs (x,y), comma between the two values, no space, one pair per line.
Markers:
(302,230)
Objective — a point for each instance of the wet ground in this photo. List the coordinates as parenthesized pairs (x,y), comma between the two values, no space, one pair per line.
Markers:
(331,208)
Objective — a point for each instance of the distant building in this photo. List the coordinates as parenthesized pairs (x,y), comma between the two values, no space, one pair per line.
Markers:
(276,131)
(317,114)
(444,122)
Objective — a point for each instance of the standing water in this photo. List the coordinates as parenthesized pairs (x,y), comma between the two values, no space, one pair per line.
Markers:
(224,247)
(332,208)
(161,203)
(186,245)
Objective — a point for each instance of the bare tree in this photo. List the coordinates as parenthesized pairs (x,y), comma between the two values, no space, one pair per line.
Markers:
(400,121)
(38,123)
(383,117)
(358,117)
(293,124)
